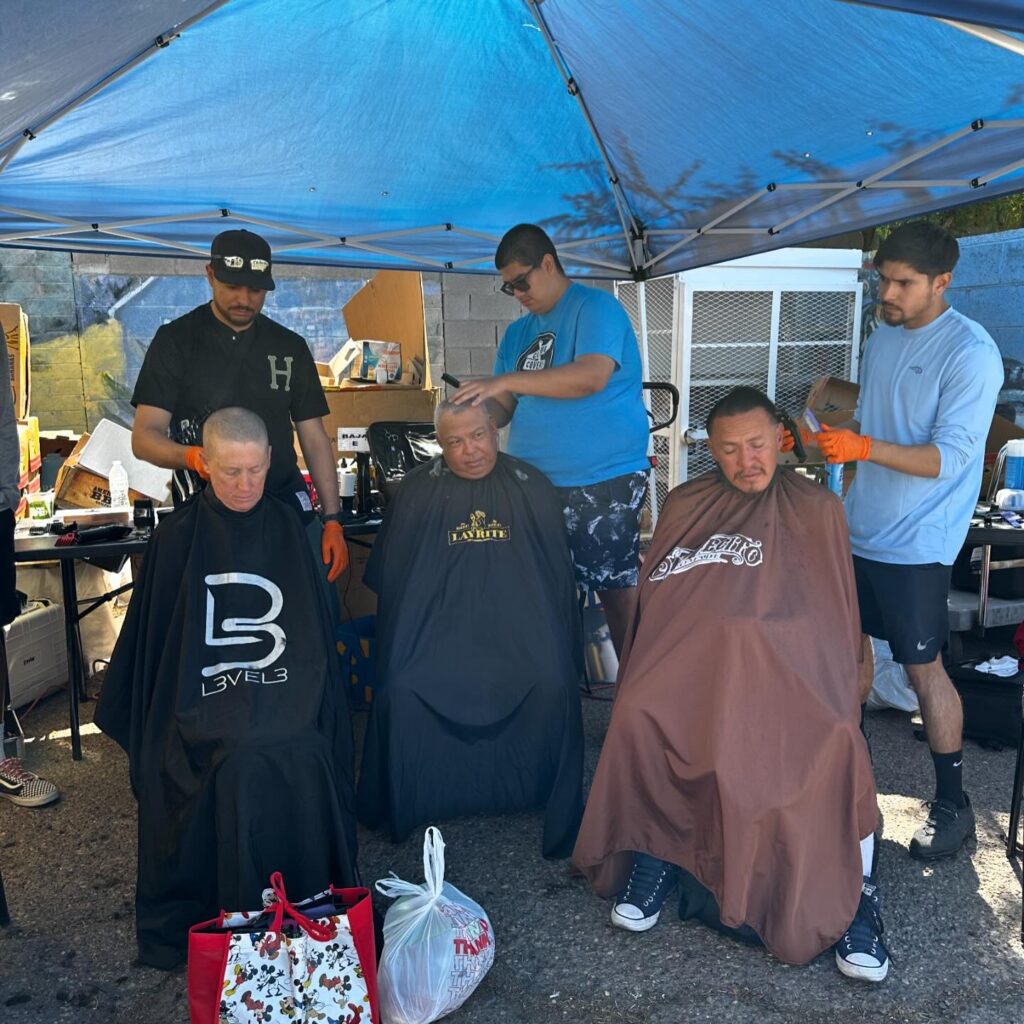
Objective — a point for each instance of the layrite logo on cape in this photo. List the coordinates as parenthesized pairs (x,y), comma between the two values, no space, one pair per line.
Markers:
(722,548)
(478,529)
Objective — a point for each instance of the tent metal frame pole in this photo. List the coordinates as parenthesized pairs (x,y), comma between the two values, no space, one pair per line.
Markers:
(645,364)
(161,42)
(987,35)
(630,227)
(871,178)
(686,239)
(841,191)
(101,228)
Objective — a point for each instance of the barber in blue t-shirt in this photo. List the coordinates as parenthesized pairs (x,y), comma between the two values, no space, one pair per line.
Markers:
(568,375)
(929,385)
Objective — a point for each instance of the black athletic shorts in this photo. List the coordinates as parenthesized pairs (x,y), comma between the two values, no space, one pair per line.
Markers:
(905,605)
(603,523)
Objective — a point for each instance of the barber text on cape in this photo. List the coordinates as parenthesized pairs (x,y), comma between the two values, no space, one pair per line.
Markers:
(724,548)
(237,630)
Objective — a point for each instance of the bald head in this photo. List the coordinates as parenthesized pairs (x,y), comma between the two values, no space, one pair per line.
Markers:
(237,457)
(468,437)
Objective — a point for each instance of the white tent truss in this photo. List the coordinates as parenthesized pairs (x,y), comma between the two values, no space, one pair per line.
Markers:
(57,232)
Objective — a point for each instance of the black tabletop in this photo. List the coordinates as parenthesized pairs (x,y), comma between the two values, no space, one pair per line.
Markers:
(998,533)
(44,548)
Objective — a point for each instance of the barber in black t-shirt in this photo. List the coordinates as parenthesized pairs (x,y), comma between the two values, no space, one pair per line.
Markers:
(226,353)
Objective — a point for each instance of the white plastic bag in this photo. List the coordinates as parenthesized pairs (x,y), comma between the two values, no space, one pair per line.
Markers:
(890,687)
(438,944)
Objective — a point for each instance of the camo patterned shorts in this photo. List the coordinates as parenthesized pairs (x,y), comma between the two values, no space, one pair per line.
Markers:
(603,523)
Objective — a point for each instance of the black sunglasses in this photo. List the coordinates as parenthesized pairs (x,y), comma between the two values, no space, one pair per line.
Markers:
(519,284)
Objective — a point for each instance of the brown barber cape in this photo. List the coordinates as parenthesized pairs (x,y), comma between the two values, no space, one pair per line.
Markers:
(734,747)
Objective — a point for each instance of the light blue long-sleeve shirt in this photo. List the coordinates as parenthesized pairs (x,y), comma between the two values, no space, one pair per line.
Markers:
(937,385)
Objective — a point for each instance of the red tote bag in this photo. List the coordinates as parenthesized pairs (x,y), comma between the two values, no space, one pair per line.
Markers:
(302,960)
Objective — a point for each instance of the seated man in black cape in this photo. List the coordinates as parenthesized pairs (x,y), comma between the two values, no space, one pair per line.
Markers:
(224,690)
(478,644)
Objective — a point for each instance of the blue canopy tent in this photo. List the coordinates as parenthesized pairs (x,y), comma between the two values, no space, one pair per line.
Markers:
(647,137)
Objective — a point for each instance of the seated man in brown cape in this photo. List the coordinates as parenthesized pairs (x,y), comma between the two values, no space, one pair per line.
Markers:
(478,644)
(734,763)
(224,690)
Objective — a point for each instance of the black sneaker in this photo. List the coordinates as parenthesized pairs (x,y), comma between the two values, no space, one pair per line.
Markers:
(23,787)
(946,829)
(861,953)
(638,905)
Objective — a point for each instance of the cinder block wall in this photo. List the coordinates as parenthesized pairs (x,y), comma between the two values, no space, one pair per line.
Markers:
(988,286)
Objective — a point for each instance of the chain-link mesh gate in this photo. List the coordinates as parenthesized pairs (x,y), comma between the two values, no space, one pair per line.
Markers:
(730,342)
(778,340)
(661,318)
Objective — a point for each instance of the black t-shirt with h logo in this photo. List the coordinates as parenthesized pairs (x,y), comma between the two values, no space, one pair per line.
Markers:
(196,365)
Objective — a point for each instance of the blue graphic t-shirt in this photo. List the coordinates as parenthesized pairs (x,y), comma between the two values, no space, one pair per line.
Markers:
(578,441)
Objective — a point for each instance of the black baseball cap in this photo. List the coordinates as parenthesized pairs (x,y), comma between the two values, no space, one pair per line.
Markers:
(241,257)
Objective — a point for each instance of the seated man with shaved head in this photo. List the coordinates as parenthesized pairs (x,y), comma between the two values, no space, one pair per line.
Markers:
(734,764)
(224,691)
(478,644)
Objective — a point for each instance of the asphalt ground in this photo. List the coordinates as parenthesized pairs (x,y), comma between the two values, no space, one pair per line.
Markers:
(953,928)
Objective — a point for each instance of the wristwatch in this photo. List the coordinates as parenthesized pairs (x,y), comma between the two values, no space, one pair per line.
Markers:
(331,517)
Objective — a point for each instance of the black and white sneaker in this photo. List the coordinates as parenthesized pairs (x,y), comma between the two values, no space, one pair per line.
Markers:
(638,906)
(861,953)
(946,829)
(23,787)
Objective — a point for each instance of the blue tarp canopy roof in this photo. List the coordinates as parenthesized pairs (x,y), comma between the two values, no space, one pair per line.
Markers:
(648,137)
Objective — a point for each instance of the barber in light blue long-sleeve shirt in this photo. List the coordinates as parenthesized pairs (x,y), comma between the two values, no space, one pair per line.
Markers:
(929,385)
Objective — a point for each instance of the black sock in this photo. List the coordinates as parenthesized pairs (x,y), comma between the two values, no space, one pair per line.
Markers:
(949,775)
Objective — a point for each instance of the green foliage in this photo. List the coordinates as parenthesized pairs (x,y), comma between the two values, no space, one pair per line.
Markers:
(980,218)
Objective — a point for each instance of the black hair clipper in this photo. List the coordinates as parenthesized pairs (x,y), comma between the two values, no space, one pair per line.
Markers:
(798,442)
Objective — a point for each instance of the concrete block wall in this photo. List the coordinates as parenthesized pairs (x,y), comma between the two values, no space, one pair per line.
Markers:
(42,284)
(474,317)
(988,286)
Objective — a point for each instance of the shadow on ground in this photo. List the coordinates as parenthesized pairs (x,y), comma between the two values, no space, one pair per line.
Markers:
(954,929)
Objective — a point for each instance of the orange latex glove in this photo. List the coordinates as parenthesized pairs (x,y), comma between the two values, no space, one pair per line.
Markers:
(788,444)
(194,461)
(841,445)
(334,550)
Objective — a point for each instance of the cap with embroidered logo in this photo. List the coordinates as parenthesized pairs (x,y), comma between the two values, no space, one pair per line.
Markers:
(241,257)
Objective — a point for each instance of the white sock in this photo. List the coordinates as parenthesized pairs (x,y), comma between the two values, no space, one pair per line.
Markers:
(867,854)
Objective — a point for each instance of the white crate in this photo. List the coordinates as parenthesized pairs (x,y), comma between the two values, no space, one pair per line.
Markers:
(37,657)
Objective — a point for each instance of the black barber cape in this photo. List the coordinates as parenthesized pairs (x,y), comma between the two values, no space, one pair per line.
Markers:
(223,689)
(477,709)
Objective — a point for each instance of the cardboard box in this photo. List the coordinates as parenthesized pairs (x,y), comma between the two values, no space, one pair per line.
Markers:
(57,442)
(78,487)
(389,307)
(31,423)
(23,458)
(15,327)
(377,353)
(834,401)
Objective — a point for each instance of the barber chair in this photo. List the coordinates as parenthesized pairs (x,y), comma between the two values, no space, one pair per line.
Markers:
(396,448)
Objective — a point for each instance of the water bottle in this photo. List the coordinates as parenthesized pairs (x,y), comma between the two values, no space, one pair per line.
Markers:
(118,479)
(835,478)
(1015,464)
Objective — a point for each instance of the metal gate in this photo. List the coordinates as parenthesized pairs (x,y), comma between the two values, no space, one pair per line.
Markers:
(774,327)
